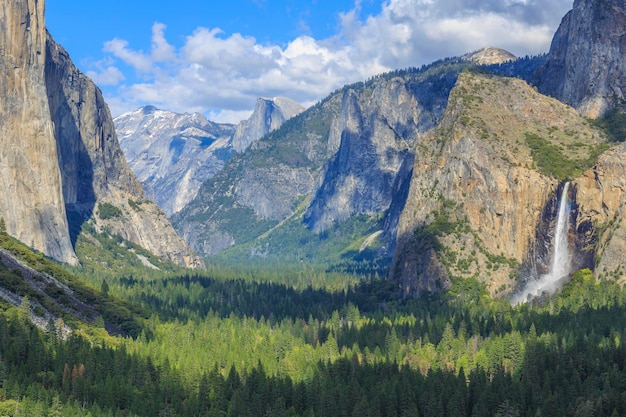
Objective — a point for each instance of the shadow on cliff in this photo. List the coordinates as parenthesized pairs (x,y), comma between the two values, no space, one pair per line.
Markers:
(77,171)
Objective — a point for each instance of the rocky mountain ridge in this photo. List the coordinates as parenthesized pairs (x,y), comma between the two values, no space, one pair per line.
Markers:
(268,115)
(586,66)
(584,69)
(472,192)
(482,195)
(337,161)
(173,154)
(62,161)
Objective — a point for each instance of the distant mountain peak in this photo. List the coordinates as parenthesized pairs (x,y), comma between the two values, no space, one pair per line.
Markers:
(489,56)
(268,115)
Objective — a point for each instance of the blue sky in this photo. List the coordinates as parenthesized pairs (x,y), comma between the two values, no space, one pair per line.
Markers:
(217,57)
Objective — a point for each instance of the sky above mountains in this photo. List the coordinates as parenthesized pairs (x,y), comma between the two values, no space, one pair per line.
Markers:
(217,57)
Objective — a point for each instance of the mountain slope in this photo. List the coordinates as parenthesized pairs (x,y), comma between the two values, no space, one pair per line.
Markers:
(268,115)
(172,154)
(335,163)
(28,147)
(483,188)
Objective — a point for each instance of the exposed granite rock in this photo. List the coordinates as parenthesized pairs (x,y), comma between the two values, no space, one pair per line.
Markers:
(31,195)
(173,154)
(476,200)
(59,151)
(260,187)
(268,115)
(489,56)
(93,167)
(601,198)
(374,133)
(342,158)
(586,66)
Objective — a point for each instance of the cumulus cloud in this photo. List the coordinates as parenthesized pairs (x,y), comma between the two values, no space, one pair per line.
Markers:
(222,74)
(106,75)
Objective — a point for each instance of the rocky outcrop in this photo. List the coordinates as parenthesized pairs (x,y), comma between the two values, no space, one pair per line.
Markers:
(601,199)
(338,160)
(489,56)
(63,159)
(586,66)
(478,194)
(31,195)
(268,115)
(370,139)
(93,167)
(261,187)
(173,154)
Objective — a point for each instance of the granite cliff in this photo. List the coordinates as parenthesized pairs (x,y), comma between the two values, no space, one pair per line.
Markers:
(61,156)
(268,115)
(173,154)
(586,65)
(483,193)
(31,194)
(335,164)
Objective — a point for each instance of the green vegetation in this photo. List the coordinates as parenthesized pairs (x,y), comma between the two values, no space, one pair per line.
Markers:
(229,347)
(104,255)
(550,159)
(614,124)
(81,303)
(337,248)
(108,211)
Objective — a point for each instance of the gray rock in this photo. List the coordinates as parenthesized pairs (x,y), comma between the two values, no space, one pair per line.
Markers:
(586,66)
(59,151)
(268,115)
(173,154)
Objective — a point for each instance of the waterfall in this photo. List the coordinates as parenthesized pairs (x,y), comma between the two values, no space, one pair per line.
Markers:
(560,266)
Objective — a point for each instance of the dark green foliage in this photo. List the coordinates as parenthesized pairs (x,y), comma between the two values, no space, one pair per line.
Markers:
(108,211)
(614,124)
(551,160)
(523,68)
(220,346)
(121,317)
(567,358)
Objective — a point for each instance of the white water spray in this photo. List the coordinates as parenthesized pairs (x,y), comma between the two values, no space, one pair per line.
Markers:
(561,262)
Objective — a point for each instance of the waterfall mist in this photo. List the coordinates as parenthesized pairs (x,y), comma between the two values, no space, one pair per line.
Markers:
(560,266)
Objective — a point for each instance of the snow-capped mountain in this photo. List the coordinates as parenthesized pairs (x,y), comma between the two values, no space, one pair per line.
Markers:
(172,154)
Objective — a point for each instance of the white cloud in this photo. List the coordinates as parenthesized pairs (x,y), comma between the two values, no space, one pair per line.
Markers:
(106,76)
(221,75)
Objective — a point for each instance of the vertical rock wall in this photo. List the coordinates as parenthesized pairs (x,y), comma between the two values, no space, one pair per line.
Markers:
(31,197)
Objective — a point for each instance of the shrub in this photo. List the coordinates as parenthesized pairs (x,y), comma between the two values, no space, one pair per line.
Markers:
(108,211)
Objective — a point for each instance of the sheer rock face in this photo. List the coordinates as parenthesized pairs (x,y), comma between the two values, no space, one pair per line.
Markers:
(601,200)
(31,195)
(268,115)
(370,140)
(62,155)
(475,186)
(173,154)
(355,159)
(586,66)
